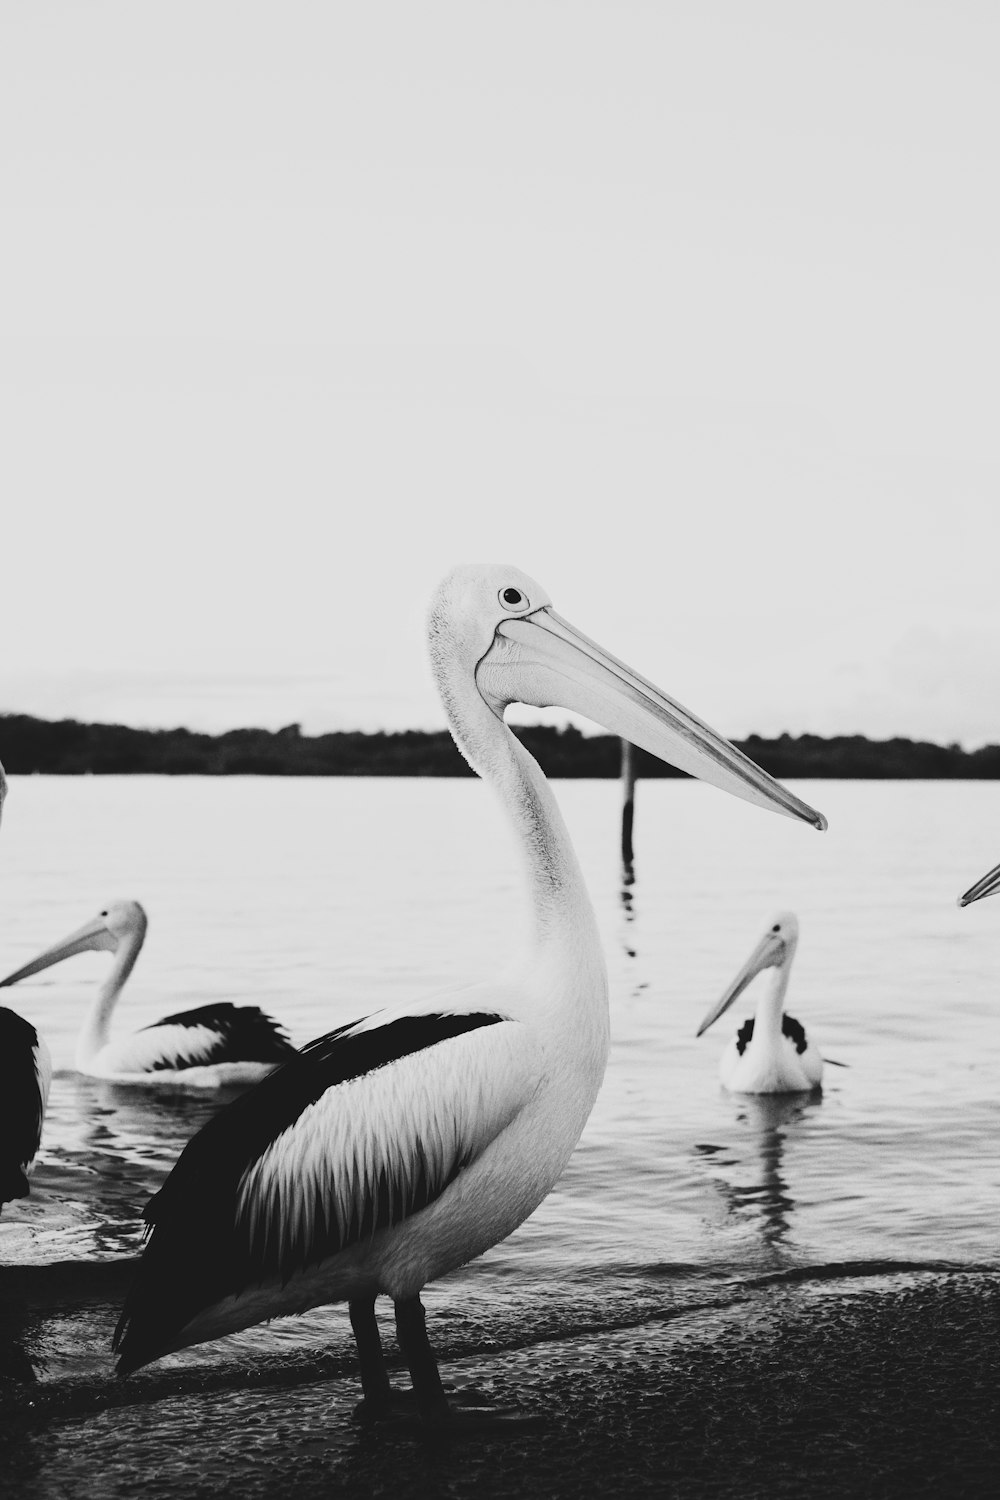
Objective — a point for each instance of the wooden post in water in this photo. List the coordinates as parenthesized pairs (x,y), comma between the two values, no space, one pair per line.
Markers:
(628,809)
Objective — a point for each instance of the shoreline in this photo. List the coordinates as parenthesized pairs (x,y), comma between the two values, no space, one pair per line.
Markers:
(878,1384)
(32,746)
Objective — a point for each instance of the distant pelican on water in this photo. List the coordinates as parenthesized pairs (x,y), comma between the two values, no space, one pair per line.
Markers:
(988,886)
(394,1149)
(209,1047)
(25,1075)
(771,1053)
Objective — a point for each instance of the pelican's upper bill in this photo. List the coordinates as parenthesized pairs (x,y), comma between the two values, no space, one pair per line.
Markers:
(532,655)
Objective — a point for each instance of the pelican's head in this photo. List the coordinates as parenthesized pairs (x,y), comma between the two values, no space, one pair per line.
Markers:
(497,624)
(988,886)
(469,607)
(775,949)
(118,922)
(121,920)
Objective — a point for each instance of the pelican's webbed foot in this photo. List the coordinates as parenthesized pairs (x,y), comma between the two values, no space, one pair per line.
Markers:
(398,1408)
(441,1415)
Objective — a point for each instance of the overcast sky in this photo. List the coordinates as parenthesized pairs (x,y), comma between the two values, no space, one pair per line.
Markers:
(691,310)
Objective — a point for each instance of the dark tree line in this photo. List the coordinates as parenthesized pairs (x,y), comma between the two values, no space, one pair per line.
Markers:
(68,748)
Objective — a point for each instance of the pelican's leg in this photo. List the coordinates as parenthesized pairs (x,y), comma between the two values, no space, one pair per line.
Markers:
(374,1374)
(411,1328)
(380,1402)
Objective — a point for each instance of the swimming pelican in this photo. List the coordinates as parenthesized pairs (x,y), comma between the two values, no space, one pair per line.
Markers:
(209,1047)
(770,1054)
(25,1076)
(394,1149)
(988,886)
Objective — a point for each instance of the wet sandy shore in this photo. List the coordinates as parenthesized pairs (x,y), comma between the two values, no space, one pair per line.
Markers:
(850,1386)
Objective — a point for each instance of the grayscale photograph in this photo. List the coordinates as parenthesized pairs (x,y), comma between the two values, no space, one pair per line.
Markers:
(500,740)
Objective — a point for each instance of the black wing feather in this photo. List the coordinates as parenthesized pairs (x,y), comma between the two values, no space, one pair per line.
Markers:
(794,1030)
(197,1254)
(245,1034)
(20,1103)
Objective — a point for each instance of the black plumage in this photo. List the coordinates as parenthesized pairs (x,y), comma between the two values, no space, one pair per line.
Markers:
(794,1030)
(21,1104)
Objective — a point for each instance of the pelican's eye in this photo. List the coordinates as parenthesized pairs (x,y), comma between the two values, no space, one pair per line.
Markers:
(102,914)
(513,599)
(776,927)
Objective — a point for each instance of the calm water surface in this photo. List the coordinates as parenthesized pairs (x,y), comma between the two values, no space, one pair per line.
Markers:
(321,900)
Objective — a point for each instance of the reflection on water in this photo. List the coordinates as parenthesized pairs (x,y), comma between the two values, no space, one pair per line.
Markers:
(108,1148)
(750,1180)
(142,1122)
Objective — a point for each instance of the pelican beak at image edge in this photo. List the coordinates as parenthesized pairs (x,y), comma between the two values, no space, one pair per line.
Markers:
(988,886)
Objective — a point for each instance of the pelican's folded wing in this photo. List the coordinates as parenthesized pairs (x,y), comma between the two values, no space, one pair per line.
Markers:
(212,1034)
(362,1129)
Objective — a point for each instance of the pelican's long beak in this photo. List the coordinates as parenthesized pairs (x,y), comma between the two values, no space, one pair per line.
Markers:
(768,952)
(554,665)
(988,886)
(88,936)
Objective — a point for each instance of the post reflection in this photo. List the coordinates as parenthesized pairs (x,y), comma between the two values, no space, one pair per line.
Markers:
(628,914)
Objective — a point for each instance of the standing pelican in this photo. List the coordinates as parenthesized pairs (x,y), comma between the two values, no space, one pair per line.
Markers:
(204,1048)
(988,886)
(770,1054)
(25,1075)
(397,1148)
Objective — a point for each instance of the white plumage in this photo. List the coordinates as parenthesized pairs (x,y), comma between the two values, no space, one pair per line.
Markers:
(393,1125)
(394,1150)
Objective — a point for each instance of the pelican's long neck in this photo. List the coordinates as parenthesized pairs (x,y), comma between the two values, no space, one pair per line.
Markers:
(96,1030)
(771,1005)
(561,912)
(560,904)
